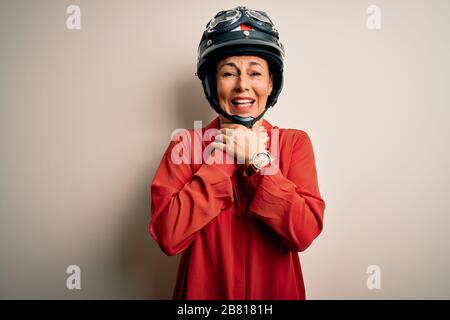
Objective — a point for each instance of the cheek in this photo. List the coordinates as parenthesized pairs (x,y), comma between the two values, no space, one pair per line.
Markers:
(262,87)
(262,91)
(222,88)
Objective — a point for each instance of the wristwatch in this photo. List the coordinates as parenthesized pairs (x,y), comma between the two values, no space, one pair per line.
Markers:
(258,161)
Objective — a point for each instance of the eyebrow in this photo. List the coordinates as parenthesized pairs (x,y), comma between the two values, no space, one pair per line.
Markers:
(232,64)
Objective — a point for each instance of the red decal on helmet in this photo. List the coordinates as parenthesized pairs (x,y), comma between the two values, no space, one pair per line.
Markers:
(245,27)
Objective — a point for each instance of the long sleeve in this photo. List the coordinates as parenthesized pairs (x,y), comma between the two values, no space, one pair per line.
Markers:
(292,206)
(183,201)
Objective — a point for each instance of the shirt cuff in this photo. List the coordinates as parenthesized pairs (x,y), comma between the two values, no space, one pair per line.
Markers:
(228,165)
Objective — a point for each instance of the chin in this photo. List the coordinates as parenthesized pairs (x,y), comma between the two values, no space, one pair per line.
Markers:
(242,113)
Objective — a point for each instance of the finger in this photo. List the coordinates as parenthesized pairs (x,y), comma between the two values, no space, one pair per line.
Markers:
(228,132)
(223,138)
(227,126)
(263,137)
(218,145)
(225,131)
(219,138)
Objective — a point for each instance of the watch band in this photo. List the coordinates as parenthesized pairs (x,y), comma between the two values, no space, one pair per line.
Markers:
(252,168)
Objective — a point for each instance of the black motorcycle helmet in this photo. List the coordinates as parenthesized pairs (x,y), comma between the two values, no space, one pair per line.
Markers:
(239,31)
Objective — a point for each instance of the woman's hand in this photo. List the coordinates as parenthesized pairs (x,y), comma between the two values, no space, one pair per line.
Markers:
(240,142)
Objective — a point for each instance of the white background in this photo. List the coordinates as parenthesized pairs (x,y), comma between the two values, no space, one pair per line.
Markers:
(85,116)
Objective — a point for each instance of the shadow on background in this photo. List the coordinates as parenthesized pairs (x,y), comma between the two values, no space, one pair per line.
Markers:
(146,271)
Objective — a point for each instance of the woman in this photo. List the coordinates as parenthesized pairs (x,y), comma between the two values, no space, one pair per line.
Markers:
(240,222)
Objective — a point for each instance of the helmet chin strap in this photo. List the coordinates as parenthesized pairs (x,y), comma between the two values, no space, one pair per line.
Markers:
(245,121)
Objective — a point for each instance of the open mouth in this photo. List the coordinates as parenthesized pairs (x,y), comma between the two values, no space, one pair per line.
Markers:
(242,103)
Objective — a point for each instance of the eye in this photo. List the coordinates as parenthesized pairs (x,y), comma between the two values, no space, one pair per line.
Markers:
(255,73)
(227,74)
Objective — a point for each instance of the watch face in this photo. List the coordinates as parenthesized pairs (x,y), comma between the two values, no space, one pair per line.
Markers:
(261,160)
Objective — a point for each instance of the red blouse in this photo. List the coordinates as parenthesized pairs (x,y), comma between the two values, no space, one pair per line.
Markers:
(239,236)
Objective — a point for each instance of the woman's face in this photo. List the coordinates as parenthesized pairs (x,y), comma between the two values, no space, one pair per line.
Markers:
(243,85)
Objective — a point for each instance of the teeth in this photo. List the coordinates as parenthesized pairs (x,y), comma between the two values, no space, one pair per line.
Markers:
(242,101)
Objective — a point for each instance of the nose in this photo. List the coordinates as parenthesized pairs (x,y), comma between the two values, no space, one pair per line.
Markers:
(242,83)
